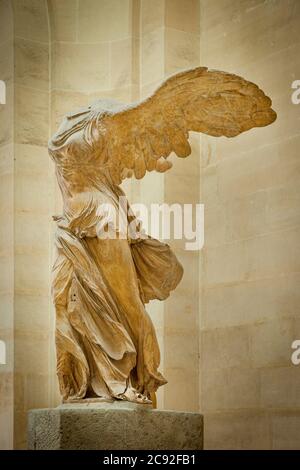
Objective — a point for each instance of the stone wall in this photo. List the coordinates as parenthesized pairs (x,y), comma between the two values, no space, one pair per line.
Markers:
(7,227)
(182,186)
(33,196)
(250,264)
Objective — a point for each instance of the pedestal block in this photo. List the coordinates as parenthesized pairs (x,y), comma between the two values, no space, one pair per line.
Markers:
(112,426)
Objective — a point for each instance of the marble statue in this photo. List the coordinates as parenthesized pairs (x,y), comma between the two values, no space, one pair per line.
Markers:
(106,343)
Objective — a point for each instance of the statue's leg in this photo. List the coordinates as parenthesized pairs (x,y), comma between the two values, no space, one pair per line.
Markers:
(72,368)
(116,264)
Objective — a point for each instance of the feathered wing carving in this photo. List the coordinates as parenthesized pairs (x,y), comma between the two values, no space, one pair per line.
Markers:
(141,136)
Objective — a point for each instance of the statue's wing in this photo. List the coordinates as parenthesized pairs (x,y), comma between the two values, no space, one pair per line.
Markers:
(201,100)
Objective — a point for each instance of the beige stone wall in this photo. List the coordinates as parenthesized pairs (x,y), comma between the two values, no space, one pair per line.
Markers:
(6,228)
(33,196)
(250,265)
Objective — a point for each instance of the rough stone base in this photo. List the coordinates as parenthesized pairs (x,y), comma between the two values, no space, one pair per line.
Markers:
(112,426)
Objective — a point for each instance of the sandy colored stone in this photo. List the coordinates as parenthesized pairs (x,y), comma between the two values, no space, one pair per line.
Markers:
(181,49)
(31,116)
(27,187)
(136,139)
(181,348)
(224,347)
(237,431)
(32,160)
(183,16)
(250,302)
(113,426)
(6,117)
(32,273)
(103,20)
(6,273)
(152,15)
(6,61)
(6,422)
(31,233)
(7,302)
(30,21)
(121,63)
(32,312)
(62,101)
(280,387)
(63,18)
(242,386)
(6,21)
(152,63)
(6,194)
(31,64)
(7,335)
(72,66)
(182,390)
(285,430)
(256,170)
(32,354)
(6,159)
(270,343)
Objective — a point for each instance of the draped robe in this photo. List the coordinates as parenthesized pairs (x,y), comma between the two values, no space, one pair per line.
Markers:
(105,339)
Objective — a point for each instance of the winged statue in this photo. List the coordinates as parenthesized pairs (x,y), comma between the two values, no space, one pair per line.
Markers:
(105,340)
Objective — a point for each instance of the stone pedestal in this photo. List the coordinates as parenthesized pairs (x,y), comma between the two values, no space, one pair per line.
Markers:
(113,426)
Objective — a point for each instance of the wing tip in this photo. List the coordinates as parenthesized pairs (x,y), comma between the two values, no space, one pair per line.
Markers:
(264,117)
